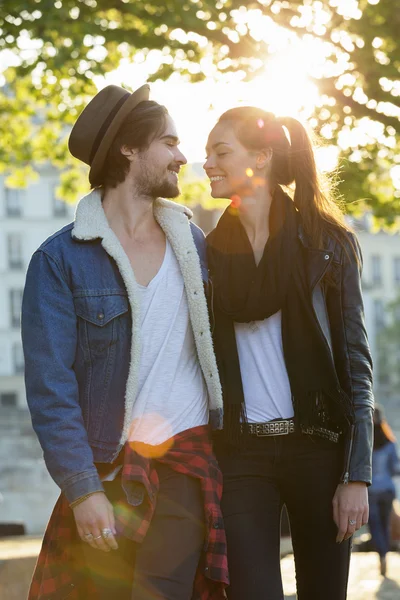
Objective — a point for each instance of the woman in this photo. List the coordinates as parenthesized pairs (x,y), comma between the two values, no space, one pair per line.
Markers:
(293,357)
(385,464)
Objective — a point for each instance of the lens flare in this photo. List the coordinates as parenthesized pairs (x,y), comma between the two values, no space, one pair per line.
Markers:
(150,451)
(235,201)
(249,172)
(157,432)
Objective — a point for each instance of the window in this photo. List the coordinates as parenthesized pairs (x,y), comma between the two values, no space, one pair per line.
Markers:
(8,399)
(396,269)
(14,200)
(59,206)
(18,356)
(379,314)
(376,270)
(15,307)
(14,247)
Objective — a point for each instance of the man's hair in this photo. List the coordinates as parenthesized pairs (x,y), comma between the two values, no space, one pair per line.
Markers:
(142,125)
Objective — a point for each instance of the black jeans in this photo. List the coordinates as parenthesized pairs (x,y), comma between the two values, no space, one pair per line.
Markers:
(380,508)
(302,472)
(164,565)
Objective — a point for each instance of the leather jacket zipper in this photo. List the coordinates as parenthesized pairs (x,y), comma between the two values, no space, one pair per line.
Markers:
(346,474)
(210,283)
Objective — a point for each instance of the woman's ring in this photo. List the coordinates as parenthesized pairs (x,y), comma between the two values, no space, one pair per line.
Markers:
(106,533)
(88,537)
(98,537)
(352,522)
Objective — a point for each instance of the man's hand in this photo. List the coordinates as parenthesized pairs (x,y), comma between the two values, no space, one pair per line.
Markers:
(93,516)
(350,508)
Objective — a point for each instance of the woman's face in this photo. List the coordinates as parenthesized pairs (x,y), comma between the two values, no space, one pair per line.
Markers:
(233,170)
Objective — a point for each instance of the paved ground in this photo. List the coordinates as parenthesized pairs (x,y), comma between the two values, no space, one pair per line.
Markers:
(365,582)
(17,559)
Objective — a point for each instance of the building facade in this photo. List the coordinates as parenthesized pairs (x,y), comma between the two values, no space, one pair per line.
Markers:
(27,218)
(381,286)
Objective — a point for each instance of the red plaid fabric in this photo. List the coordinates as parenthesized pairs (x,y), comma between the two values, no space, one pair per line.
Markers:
(60,571)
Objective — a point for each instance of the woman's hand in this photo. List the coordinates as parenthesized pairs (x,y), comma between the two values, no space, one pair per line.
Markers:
(350,508)
(94,519)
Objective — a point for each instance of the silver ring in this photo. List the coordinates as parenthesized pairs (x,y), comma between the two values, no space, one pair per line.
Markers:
(99,537)
(106,533)
(352,522)
(88,536)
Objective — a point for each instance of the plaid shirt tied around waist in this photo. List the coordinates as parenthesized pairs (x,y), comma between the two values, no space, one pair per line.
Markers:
(59,572)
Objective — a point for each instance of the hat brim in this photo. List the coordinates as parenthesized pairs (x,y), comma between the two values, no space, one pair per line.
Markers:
(140,95)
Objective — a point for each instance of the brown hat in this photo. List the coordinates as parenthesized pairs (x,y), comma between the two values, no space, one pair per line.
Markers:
(98,124)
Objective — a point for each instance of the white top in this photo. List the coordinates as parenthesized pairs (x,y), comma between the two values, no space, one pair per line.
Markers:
(172,395)
(265,380)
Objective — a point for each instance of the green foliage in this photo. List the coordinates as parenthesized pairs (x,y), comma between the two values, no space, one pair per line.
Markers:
(195,190)
(61,45)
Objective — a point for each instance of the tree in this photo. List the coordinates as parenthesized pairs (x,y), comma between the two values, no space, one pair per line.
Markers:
(62,44)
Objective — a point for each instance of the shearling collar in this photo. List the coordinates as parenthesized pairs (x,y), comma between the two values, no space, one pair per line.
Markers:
(91,222)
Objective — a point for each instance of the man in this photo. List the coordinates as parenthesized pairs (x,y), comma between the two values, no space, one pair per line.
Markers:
(121,376)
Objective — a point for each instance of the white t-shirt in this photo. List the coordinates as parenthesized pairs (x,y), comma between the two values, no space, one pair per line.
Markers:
(265,380)
(172,395)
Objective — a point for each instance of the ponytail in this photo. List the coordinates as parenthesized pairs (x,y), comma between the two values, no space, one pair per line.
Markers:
(316,205)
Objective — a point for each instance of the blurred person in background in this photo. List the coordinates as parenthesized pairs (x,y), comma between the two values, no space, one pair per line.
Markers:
(382,492)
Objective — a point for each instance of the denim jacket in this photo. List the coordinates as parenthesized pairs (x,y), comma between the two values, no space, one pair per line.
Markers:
(81,339)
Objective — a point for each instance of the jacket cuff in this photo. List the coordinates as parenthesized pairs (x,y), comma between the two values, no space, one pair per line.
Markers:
(81,485)
(363,474)
(361,455)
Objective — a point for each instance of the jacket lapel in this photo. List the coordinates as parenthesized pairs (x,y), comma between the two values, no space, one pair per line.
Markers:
(91,223)
(317,261)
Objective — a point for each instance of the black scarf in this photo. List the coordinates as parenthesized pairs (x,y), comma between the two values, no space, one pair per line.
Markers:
(244,292)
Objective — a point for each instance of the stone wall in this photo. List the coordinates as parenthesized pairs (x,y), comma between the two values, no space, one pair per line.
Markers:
(27,491)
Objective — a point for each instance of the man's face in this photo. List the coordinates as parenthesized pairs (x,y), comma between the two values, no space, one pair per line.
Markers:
(156,169)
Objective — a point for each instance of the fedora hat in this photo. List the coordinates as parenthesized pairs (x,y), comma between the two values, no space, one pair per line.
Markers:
(98,124)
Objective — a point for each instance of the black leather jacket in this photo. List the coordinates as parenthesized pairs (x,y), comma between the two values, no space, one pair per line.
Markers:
(340,313)
(334,276)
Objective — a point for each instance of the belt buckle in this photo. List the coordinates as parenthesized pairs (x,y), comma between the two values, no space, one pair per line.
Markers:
(267,429)
(262,430)
(280,428)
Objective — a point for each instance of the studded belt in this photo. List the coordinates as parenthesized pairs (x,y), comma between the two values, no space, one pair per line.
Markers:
(279,427)
(285,427)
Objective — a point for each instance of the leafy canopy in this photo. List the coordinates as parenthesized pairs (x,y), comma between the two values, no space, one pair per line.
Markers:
(59,46)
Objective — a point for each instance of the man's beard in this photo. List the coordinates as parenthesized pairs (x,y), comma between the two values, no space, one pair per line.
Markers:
(165,189)
(151,185)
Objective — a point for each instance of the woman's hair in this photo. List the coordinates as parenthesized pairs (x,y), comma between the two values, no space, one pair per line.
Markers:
(142,125)
(292,161)
(382,431)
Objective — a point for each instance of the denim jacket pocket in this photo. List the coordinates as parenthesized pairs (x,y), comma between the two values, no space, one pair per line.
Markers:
(97,321)
(104,334)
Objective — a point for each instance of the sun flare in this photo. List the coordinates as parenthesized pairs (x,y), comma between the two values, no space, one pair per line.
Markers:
(283,85)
